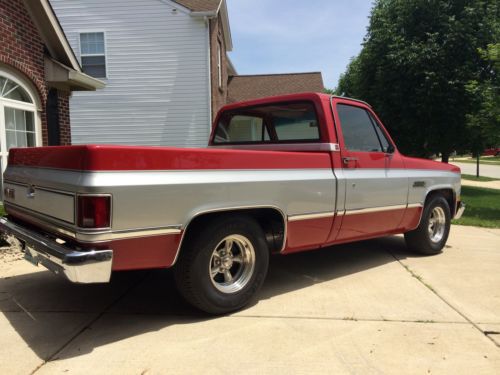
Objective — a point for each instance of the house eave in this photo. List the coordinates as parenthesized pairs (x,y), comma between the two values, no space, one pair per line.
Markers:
(65,78)
(51,32)
(222,10)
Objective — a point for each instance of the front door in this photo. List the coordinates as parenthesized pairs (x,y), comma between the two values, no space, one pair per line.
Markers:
(376,181)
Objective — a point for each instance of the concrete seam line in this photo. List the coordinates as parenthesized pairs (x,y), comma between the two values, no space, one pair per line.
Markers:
(88,325)
(420,279)
(348,319)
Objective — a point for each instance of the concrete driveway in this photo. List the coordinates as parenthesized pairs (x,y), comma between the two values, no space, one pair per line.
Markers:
(366,308)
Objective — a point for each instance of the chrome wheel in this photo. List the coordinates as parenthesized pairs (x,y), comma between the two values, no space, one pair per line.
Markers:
(437,224)
(232,264)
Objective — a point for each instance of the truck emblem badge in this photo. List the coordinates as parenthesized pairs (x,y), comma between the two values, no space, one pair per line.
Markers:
(419,184)
(31,191)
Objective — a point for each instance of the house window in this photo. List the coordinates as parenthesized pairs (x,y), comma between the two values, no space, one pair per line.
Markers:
(219,64)
(93,54)
(19,122)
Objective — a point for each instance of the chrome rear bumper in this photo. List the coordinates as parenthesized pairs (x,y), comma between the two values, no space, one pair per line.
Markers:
(85,267)
(460,210)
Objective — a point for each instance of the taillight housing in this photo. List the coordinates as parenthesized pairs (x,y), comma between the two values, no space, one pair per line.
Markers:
(94,211)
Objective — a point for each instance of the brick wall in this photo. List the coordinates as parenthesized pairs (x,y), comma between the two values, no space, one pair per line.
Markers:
(219,94)
(64,125)
(22,49)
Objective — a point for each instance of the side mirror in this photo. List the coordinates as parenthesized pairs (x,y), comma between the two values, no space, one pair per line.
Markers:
(390,149)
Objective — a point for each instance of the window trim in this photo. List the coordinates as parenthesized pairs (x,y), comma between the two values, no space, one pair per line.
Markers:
(377,124)
(105,54)
(231,113)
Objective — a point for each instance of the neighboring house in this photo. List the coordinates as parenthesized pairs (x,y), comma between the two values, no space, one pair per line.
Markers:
(249,87)
(165,66)
(163,61)
(38,72)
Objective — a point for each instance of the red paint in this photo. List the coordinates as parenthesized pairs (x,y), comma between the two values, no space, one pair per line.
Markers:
(411,219)
(145,252)
(306,234)
(126,158)
(362,226)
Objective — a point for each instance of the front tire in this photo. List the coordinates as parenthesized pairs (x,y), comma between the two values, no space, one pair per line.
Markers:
(223,265)
(432,233)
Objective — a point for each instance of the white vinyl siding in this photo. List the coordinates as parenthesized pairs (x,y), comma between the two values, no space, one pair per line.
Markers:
(157,73)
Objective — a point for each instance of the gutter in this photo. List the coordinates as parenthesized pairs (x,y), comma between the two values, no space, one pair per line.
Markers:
(85,80)
(208,14)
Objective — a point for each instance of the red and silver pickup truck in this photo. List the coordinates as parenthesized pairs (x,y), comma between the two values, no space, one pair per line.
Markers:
(280,175)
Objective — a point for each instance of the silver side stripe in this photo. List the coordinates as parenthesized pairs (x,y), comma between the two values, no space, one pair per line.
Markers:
(316,215)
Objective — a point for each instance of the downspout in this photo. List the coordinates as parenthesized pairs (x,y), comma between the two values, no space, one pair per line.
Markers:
(209,66)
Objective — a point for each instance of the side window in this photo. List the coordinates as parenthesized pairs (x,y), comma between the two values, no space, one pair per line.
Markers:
(357,128)
(242,129)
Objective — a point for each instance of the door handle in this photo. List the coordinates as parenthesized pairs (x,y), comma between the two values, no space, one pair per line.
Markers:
(346,160)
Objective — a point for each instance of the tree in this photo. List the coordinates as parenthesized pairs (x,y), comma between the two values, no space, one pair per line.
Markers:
(417,67)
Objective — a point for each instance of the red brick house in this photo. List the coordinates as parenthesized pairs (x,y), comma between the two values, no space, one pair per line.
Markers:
(38,72)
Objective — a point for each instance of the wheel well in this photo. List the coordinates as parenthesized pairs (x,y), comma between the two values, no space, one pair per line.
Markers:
(448,194)
(271,220)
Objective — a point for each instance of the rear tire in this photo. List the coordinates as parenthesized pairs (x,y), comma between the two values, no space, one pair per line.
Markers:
(432,233)
(223,265)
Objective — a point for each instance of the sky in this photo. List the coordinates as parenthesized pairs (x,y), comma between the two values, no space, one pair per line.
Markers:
(289,36)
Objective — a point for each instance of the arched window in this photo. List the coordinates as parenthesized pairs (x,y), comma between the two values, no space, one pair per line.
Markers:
(19,119)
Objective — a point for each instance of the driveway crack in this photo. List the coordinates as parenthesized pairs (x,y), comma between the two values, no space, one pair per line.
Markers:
(421,280)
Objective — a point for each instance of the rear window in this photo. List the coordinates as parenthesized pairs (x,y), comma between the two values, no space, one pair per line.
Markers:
(275,123)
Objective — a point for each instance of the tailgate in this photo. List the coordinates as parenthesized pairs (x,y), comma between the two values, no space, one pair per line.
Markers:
(56,204)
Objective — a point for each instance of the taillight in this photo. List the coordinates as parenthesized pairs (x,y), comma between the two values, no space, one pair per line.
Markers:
(94,211)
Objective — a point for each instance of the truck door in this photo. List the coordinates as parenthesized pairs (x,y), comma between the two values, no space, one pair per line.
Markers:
(376,181)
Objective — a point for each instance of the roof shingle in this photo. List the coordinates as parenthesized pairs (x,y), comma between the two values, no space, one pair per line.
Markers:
(242,88)
(200,5)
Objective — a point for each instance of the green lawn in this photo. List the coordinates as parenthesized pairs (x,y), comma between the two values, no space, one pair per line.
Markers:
(481,179)
(483,207)
(2,211)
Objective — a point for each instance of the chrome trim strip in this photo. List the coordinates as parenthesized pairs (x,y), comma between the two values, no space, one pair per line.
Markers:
(126,234)
(317,215)
(313,146)
(375,209)
(415,205)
